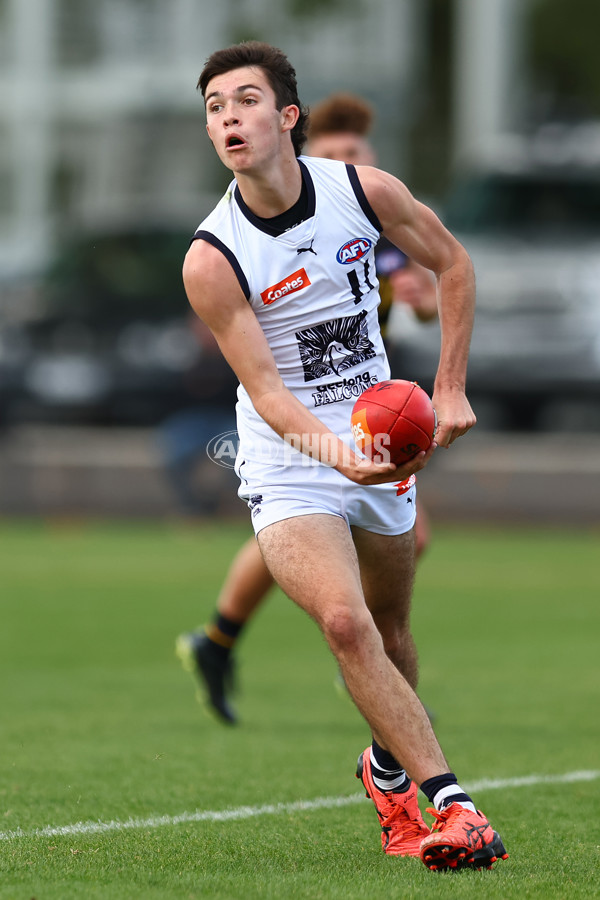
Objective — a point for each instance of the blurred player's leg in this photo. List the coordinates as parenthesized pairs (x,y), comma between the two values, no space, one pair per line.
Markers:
(207,653)
(422,529)
(387,570)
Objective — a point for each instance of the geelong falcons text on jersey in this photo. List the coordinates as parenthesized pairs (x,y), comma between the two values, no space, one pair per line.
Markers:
(320,317)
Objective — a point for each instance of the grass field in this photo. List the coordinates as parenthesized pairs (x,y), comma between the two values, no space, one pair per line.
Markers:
(113,778)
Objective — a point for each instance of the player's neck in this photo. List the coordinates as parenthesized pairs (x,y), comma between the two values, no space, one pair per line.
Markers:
(270,193)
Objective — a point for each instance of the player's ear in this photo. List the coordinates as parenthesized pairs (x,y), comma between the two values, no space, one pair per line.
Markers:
(208,132)
(289,117)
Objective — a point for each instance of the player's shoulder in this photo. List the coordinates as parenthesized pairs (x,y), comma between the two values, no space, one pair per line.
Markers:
(204,256)
(211,283)
(220,211)
(321,163)
(209,241)
(379,182)
(386,194)
(323,169)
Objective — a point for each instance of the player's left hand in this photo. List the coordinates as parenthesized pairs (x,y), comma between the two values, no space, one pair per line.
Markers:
(454,415)
(366,471)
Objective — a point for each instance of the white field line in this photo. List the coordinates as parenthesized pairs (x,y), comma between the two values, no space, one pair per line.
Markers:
(250,812)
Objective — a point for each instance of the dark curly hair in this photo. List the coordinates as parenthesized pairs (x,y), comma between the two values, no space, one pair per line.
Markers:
(276,66)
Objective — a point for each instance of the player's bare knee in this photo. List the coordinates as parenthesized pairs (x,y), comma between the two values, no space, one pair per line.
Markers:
(345,628)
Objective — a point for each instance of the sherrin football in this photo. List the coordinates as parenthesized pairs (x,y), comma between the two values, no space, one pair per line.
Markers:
(393,420)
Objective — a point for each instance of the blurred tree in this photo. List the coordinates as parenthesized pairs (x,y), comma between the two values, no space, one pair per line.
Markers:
(309,8)
(431,135)
(564,59)
(245,28)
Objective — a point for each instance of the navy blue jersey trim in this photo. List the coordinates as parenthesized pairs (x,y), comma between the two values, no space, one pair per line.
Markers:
(362,199)
(306,176)
(210,238)
(263,225)
(240,474)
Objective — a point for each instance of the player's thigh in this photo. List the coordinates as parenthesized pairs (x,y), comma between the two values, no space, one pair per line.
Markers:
(313,559)
(387,569)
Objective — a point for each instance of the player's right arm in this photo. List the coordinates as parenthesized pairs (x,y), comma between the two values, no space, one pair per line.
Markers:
(420,234)
(215,295)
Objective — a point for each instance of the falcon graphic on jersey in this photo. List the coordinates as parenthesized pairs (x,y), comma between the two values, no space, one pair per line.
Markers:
(335,346)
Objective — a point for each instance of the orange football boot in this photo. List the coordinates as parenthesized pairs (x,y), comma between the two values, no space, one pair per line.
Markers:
(460,839)
(402,825)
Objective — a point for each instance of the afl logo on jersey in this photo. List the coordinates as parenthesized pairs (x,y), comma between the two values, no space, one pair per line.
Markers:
(353,250)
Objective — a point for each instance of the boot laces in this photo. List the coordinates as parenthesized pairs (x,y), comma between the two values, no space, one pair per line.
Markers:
(443,816)
(401,818)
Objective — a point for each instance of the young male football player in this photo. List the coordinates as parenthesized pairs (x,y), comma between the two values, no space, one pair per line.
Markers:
(338,128)
(282,272)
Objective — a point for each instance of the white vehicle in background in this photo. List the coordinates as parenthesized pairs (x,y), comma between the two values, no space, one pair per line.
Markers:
(531,223)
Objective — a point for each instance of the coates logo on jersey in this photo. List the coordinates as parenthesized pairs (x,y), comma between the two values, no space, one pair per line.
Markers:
(353,250)
(290,285)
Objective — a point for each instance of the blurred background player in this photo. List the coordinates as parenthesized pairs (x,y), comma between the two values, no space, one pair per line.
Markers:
(338,129)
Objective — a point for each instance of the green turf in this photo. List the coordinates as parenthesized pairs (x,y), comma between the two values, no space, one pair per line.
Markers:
(99,722)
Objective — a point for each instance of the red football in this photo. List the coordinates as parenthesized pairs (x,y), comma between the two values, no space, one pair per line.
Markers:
(393,421)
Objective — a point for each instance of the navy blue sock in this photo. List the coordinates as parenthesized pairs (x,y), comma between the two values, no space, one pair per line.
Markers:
(228,626)
(223,632)
(388,774)
(442,790)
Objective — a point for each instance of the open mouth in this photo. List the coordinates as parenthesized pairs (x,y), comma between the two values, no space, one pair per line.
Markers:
(234,141)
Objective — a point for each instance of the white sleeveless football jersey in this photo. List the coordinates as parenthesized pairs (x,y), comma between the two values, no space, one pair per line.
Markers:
(315,293)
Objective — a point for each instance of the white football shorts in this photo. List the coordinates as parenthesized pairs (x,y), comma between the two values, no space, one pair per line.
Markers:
(274,493)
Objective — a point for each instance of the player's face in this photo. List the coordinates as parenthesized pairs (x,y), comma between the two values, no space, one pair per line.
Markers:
(344,146)
(242,120)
